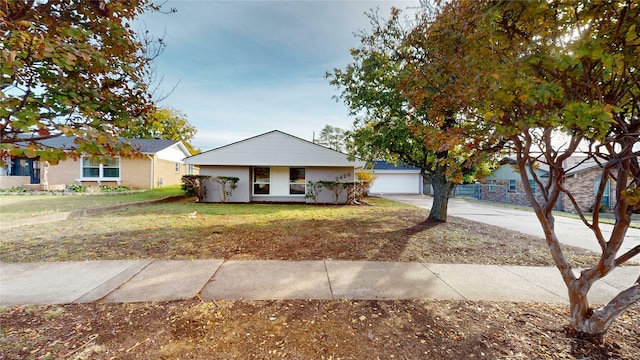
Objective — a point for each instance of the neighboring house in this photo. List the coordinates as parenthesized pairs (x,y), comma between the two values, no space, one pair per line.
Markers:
(582,179)
(503,185)
(396,179)
(160,163)
(274,167)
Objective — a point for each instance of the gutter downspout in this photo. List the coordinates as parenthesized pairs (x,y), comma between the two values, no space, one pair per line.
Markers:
(152,171)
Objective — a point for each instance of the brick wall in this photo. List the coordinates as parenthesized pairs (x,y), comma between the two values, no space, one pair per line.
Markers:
(503,195)
(498,193)
(581,185)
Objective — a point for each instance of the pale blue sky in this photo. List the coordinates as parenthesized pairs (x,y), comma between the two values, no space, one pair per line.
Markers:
(248,67)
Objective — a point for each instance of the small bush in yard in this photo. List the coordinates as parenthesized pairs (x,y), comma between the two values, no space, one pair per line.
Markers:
(76,188)
(366,178)
(15,189)
(313,190)
(119,188)
(193,185)
(227,185)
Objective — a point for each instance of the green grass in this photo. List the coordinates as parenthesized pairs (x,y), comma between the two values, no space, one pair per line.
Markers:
(14,206)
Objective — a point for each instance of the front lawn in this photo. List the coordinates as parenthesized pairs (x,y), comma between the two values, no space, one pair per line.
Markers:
(383,230)
(15,206)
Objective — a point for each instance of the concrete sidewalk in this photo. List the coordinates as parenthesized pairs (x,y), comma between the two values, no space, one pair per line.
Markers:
(164,280)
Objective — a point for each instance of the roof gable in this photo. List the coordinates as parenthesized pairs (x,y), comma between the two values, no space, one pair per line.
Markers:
(578,164)
(151,146)
(274,148)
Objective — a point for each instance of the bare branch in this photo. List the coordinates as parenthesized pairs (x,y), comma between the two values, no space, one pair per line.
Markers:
(628,255)
(604,178)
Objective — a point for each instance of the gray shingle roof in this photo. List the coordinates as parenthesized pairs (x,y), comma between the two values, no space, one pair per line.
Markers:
(147,146)
(152,146)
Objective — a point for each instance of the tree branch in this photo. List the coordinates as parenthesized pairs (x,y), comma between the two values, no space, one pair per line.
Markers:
(628,255)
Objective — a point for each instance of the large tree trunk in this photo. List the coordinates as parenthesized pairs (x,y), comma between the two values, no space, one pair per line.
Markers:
(579,309)
(593,324)
(442,188)
(586,322)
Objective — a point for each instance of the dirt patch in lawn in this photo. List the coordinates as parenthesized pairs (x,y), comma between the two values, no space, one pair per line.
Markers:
(305,330)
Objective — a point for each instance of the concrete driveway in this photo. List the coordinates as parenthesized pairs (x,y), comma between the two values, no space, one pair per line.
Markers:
(570,231)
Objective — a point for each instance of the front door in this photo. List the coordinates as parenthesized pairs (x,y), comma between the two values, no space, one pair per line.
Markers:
(26,167)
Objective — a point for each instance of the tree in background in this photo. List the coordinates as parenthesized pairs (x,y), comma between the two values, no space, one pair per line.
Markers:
(164,123)
(407,88)
(73,68)
(331,137)
(560,67)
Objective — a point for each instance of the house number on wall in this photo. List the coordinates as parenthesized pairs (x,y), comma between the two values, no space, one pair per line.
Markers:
(343,176)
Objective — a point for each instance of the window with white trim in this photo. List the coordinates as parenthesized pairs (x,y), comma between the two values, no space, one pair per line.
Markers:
(492,185)
(532,183)
(296,181)
(106,169)
(261,180)
(512,186)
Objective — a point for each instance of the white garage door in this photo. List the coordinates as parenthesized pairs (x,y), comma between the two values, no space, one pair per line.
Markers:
(403,183)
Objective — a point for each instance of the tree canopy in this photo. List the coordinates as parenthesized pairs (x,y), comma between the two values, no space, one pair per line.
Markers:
(407,88)
(164,123)
(73,68)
